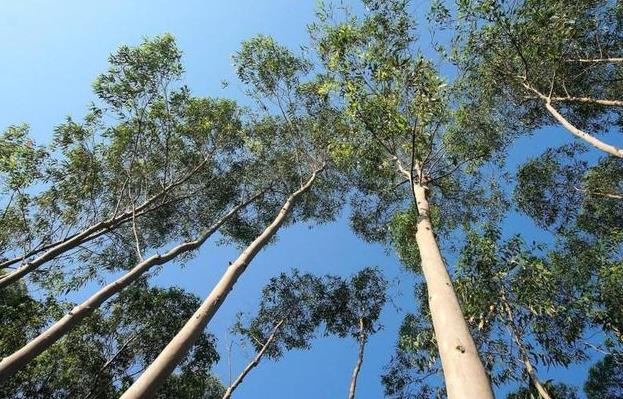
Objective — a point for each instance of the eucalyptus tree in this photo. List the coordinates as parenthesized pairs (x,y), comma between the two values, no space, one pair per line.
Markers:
(289,134)
(104,354)
(352,309)
(134,174)
(288,318)
(216,192)
(22,166)
(541,63)
(414,156)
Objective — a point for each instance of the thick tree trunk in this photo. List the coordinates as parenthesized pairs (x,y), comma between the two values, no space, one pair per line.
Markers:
(256,360)
(155,375)
(464,374)
(357,369)
(18,360)
(87,234)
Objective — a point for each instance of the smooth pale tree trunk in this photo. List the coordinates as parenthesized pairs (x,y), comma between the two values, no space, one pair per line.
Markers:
(157,372)
(600,194)
(592,140)
(357,369)
(18,360)
(87,234)
(597,60)
(253,363)
(589,100)
(524,354)
(465,377)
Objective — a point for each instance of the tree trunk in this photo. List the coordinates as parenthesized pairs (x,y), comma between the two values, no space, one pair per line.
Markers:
(254,362)
(597,60)
(155,375)
(589,100)
(523,353)
(592,140)
(87,234)
(357,369)
(18,360)
(464,374)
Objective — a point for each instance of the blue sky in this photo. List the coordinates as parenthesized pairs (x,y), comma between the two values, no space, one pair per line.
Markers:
(51,53)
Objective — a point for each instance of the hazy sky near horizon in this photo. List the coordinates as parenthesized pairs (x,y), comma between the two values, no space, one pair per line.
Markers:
(51,53)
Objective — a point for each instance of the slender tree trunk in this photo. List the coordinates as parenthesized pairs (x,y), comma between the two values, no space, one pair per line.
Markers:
(464,374)
(524,354)
(600,194)
(256,360)
(592,140)
(18,360)
(357,369)
(155,375)
(87,234)
(589,100)
(597,60)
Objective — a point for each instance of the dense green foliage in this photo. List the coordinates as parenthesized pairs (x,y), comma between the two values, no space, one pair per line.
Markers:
(369,120)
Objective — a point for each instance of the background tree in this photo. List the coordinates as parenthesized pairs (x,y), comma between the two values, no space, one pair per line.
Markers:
(605,378)
(287,318)
(352,309)
(560,191)
(210,189)
(557,391)
(149,164)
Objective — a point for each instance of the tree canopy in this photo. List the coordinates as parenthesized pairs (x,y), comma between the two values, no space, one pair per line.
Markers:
(435,150)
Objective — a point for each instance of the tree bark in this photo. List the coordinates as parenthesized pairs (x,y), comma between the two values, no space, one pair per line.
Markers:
(357,369)
(19,359)
(87,234)
(256,360)
(464,374)
(155,375)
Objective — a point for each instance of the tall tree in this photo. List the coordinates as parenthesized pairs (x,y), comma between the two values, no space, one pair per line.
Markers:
(139,171)
(293,144)
(210,200)
(352,309)
(407,148)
